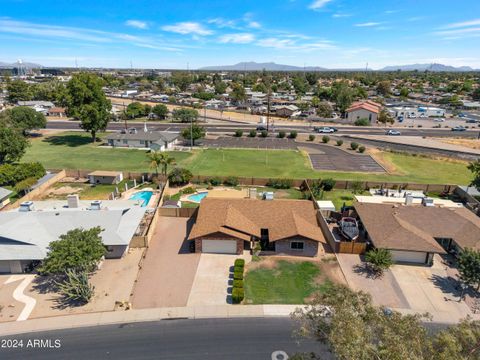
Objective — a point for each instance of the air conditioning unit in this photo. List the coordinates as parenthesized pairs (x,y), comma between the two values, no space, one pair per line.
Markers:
(96,205)
(26,206)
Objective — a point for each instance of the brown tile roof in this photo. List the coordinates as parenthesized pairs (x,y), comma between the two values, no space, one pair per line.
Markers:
(246,217)
(416,227)
(364,106)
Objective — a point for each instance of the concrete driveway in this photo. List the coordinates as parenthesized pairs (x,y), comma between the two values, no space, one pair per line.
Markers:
(213,280)
(169,269)
(407,287)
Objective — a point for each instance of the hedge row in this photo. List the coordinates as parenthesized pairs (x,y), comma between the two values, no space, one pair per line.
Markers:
(238,293)
(11,174)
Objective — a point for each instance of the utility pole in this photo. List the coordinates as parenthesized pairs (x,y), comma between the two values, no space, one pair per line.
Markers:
(268,106)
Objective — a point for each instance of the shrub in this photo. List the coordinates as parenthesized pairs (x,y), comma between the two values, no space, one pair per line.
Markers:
(237,284)
(354,146)
(215,181)
(76,287)
(238,133)
(361,149)
(237,295)
(311,137)
(239,263)
(362,122)
(238,275)
(281,134)
(252,133)
(293,134)
(325,139)
(379,260)
(24,185)
(356,186)
(280,183)
(339,142)
(264,133)
(10,174)
(179,176)
(231,181)
(327,184)
(188,190)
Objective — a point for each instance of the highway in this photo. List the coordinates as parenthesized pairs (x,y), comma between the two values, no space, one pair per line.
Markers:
(212,339)
(229,128)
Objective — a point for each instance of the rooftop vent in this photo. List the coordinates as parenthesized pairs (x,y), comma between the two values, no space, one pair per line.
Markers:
(26,206)
(73,201)
(427,202)
(95,205)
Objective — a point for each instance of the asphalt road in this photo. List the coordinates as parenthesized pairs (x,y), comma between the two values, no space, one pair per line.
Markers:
(247,338)
(222,128)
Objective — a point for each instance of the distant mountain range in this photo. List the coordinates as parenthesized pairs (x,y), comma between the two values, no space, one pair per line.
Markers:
(271,66)
(25,64)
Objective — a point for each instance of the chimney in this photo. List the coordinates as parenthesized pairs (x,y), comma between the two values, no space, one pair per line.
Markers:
(96,205)
(26,206)
(73,201)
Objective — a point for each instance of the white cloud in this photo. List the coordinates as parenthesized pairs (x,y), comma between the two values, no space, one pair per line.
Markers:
(222,23)
(291,44)
(464,31)
(341,15)
(318,4)
(188,28)
(254,24)
(368,24)
(243,38)
(462,24)
(137,24)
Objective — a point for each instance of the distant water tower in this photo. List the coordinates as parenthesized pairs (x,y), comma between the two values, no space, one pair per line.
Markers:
(21,69)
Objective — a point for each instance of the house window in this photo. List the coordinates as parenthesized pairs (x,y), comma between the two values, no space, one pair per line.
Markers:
(125,141)
(296,245)
(142,142)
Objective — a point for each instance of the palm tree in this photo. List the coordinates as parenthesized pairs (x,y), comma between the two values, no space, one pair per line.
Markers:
(158,159)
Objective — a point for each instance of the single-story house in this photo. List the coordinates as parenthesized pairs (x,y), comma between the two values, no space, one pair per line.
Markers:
(287,110)
(105,177)
(154,140)
(26,234)
(4,197)
(280,226)
(364,110)
(57,112)
(413,233)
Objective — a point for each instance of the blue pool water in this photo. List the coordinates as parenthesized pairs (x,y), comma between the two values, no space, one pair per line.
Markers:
(197,197)
(142,195)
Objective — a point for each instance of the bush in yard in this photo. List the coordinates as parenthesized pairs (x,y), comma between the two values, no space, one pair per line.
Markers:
(354,146)
(188,190)
(282,134)
(231,181)
(215,181)
(362,122)
(327,184)
(252,133)
(264,134)
(311,137)
(469,267)
(280,183)
(361,149)
(238,133)
(356,186)
(238,275)
(237,295)
(10,174)
(339,142)
(293,134)
(239,263)
(75,287)
(379,260)
(325,139)
(237,284)
(179,176)
(24,185)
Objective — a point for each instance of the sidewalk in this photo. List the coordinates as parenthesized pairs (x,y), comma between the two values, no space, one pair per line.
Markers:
(141,315)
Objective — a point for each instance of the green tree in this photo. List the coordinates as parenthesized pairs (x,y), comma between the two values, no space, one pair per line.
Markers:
(160,110)
(300,85)
(12,145)
(185,115)
(88,103)
(384,117)
(469,267)
(220,87)
(160,159)
(343,96)
(18,90)
(135,109)
(474,167)
(192,133)
(260,87)
(238,93)
(78,250)
(476,94)
(324,110)
(384,87)
(24,118)
(404,92)
(379,260)
(179,176)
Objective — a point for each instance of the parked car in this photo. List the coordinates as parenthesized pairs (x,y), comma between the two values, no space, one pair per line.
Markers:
(324,129)
(400,119)
(439,120)
(393,132)
(471,121)
(458,128)
(261,128)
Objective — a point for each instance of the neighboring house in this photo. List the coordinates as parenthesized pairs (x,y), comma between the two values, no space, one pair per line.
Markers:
(414,233)
(280,226)
(57,112)
(364,110)
(4,197)
(40,106)
(26,233)
(105,177)
(287,110)
(153,140)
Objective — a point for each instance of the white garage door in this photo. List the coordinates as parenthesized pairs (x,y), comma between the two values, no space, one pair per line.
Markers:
(4,266)
(409,256)
(219,246)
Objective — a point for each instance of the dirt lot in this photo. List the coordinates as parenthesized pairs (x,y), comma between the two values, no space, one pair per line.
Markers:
(469,143)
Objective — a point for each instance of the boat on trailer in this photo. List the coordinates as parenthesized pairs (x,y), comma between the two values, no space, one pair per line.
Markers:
(349,228)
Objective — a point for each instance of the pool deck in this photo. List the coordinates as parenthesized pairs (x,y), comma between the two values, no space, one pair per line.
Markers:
(222,192)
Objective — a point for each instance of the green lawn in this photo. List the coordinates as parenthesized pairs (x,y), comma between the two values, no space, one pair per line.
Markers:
(74,150)
(89,192)
(287,283)
(340,197)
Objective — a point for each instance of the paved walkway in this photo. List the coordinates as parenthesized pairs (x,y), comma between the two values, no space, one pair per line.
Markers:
(167,274)
(21,297)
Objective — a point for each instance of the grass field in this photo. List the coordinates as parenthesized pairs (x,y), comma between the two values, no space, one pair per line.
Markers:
(74,150)
(286,283)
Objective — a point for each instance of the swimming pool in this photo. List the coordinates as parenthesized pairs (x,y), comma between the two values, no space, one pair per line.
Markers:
(197,197)
(142,195)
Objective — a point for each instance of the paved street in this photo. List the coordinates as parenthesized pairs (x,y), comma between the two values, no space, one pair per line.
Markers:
(222,339)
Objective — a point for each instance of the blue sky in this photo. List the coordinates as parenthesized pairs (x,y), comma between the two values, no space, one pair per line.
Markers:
(172,34)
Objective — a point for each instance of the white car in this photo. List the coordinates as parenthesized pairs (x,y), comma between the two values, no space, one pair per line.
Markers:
(439,120)
(325,130)
(393,132)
